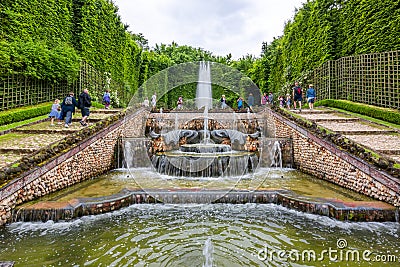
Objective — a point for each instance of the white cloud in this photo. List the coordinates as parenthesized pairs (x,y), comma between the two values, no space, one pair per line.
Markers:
(220,26)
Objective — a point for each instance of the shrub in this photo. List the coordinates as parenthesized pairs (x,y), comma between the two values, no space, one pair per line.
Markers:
(24,113)
(385,114)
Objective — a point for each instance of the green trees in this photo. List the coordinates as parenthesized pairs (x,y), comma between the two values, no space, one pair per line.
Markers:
(325,30)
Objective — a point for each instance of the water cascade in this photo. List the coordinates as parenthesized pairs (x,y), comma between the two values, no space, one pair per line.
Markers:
(276,155)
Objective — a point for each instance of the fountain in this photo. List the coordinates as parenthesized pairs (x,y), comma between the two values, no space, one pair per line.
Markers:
(203,92)
(204,152)
(186,156)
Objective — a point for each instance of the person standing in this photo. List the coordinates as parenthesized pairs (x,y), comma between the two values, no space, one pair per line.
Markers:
(297,95)
(107,99)
(85,102)
(68,108)
(55,111)
(154,100)
(250,101)
(264,99)
(146,102)
(240,103)
(311,96)
(180,102)
(271,98)
(223,102)
(288,101)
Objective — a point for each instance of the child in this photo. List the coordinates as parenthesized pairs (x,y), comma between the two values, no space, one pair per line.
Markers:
(288,101)
(282,101)
(54,113)
(107,99)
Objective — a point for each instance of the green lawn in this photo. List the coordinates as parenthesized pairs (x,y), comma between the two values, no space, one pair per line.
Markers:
(16,124)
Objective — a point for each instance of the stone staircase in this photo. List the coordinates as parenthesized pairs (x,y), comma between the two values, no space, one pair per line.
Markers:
(27,139)
(379,138)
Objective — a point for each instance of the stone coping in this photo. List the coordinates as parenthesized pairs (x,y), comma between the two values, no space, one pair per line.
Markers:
(333,208)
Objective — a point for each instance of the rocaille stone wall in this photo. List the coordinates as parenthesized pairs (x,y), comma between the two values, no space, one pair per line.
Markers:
(324,160)
(90,158)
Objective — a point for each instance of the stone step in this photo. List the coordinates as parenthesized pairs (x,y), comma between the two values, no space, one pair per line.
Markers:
(355,132)
(48,131)
(385,144)
(395,157)
(313,111)
(355,210)
(10,156)
(105,111)
(334,119)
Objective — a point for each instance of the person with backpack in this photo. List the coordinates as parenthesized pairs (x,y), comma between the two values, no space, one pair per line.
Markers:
(297,95)
(68,108)
(85,102)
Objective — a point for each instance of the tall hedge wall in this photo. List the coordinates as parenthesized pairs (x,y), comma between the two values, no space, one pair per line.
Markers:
(46,39)
(324,30)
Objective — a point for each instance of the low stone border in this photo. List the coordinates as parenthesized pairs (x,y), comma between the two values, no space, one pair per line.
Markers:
(344,211)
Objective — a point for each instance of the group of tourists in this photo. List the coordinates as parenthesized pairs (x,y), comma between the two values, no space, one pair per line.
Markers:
(297,93)
(65,110)
(295,99)
(297,96)
(146,102)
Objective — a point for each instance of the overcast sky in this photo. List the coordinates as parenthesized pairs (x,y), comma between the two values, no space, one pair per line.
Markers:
(221,26)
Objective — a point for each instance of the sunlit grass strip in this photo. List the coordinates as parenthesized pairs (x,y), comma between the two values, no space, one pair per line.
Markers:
(20,123)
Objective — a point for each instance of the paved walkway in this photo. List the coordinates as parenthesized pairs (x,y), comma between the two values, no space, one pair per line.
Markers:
(371,135)
(27,139)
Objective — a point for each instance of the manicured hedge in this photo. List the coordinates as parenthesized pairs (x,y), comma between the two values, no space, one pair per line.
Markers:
(27,112)
(385,114)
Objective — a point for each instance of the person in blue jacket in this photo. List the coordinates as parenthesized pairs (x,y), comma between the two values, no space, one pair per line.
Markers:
(68,108)
(240,103)
(311,96)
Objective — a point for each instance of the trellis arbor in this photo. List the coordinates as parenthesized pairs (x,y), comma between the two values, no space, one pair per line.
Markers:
(19,90)
(369,78)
